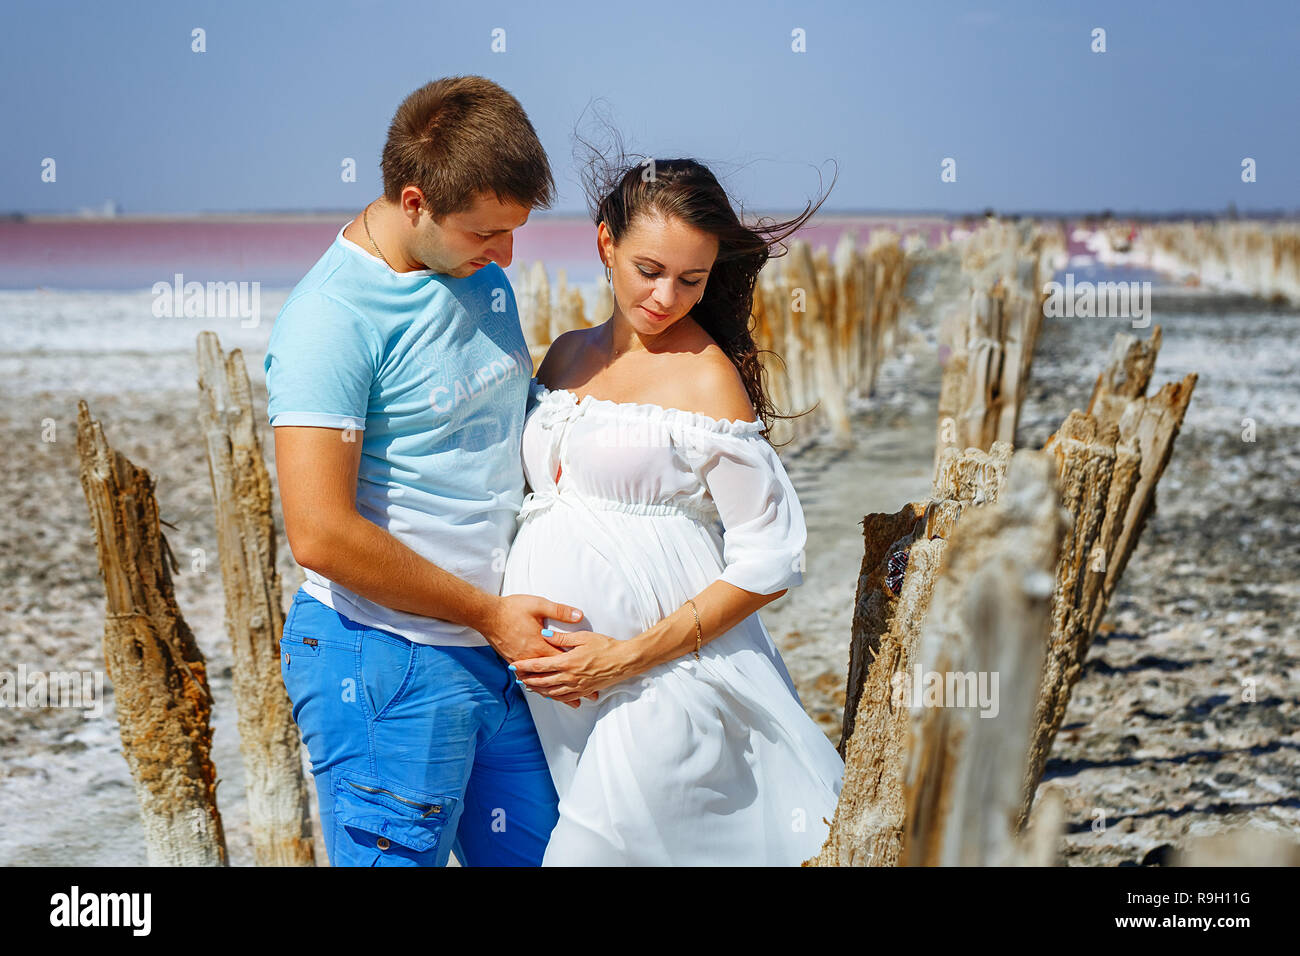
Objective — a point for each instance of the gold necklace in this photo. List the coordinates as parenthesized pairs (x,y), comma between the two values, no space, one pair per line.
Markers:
(364,213)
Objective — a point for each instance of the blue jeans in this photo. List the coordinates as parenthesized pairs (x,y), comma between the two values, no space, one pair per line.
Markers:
(418,750)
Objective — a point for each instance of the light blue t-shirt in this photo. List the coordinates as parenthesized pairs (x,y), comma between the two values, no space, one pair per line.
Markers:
(432,373)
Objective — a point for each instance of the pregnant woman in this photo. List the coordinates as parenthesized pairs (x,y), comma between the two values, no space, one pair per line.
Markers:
(671,727)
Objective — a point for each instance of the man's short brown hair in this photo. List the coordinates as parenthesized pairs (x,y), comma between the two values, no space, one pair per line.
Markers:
(462,136)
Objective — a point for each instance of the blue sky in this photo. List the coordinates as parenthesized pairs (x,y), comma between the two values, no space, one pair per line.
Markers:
(1035,121)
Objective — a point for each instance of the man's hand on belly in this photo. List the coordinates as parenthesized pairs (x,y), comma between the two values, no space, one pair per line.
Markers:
(514,625)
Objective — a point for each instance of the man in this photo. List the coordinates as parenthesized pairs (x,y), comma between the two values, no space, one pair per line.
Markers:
(397,375)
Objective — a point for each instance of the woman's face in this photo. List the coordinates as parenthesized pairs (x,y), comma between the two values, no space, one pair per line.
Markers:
(659,270)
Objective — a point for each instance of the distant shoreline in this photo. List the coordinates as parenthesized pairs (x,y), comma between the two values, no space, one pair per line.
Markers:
(346,214)
(339,215)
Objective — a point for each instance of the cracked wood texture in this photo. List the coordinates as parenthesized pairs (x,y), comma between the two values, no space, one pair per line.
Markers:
(869,817)
(159,676)
(1127,374)
(990,609)
(279,814)
(1108,468)
(1151,424)
(1104,469)
(1084,456)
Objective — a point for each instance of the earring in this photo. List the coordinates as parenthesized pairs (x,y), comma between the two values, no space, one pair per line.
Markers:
(609,275)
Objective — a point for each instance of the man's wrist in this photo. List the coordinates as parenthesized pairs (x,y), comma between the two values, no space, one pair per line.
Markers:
(482,611)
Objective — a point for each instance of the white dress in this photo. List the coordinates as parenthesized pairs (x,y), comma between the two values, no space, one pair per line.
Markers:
(712,762)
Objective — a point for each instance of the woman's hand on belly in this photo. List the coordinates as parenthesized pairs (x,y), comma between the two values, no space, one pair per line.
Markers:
(589,663)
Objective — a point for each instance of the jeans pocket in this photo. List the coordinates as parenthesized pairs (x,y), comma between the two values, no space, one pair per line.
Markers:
(300,671)
(294,650)
(379,823)
(387,670)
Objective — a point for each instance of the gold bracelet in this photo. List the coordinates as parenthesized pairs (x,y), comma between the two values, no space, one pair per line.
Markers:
(699,633)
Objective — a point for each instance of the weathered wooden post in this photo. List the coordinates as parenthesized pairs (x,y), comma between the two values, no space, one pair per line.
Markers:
(902,559)
(567,310)
(848,313)
(159,676)
(992,346)
(813,275)
(534,301)
(278,809)
(892,266)
(1241,846)
(1127,374)
(968,391)
(1109,464)
(1022,320)
(979,661)
(787,306)
(1085,457)
(1151,424)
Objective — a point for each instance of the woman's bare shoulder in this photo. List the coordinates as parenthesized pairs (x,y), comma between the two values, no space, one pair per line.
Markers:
(712,385)
(560,355)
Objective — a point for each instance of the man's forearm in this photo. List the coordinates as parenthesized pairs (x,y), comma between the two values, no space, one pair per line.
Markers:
(367,560)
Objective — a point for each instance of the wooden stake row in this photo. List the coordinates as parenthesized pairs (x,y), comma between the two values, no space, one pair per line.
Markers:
(1258,258)
(1109,460)
(987,349)
(926,786)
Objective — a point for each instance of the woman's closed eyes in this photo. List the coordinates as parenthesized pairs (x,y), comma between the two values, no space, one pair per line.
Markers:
(652,275)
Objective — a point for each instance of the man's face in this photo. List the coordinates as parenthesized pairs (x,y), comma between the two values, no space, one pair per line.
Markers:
(465,242)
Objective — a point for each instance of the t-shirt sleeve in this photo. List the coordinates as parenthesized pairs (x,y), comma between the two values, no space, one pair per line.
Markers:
(321,362)
(763,524)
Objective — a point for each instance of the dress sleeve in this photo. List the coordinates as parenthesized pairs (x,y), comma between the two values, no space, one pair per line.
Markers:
(763,524)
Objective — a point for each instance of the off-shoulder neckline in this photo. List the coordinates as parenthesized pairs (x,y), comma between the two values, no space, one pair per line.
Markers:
(728,426)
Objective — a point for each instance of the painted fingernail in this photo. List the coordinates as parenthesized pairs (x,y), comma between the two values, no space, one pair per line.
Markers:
(512,669)
(547,632)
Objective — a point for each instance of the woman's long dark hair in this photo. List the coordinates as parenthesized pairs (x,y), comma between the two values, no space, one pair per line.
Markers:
(621,190)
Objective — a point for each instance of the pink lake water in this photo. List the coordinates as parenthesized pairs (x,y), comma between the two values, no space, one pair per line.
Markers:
(127,255)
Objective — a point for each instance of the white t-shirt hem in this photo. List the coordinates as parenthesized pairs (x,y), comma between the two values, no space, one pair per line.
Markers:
(439,634)
(319,420)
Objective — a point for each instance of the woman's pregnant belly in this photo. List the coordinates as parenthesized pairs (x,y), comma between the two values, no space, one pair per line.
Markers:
(624,571)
